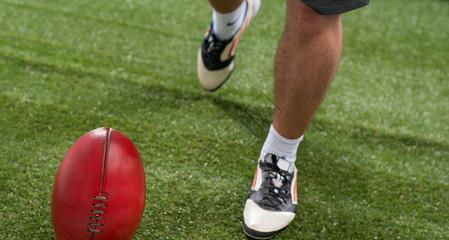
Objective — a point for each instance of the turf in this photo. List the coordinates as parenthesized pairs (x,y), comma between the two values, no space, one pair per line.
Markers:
(374,165)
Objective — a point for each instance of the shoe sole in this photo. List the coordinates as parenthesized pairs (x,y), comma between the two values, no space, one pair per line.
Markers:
(253,234)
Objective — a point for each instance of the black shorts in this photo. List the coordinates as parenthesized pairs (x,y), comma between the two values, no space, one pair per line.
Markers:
(330,7)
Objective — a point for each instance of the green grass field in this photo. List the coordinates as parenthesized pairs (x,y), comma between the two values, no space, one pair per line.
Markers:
(374,165)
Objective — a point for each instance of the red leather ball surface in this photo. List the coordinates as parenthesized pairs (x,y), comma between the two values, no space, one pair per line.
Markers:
(99,192)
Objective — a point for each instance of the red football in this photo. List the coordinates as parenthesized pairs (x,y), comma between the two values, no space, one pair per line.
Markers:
(99,192)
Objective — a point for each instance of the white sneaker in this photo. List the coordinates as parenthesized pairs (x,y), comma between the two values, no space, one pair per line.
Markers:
(215,62)
(271,206)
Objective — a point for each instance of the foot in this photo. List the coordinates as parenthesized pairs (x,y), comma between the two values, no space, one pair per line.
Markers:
(272,203)
(216,57)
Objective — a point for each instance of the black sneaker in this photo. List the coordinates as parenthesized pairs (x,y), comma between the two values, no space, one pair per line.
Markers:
(271,206)
(215,62)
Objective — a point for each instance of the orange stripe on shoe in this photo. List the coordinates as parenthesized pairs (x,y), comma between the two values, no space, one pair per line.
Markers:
(240,34)
(295,192)
(255,177)
(295,195)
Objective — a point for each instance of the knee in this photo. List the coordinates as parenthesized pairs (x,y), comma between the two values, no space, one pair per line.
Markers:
(304,21)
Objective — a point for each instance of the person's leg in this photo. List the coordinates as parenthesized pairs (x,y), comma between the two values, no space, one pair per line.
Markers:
(225,6)
(306,62)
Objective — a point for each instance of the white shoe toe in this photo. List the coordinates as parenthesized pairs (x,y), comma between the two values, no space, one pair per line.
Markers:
(211,80)
(262,220)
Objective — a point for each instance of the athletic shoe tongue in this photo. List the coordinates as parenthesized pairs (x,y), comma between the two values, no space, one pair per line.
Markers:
(282,163)
(285,165)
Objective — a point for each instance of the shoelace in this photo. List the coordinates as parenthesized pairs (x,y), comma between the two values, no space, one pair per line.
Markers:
(213,48)
(213,45)
(277,185)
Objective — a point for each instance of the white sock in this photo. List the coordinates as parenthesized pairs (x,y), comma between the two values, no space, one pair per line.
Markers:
(226,25)
(280,146)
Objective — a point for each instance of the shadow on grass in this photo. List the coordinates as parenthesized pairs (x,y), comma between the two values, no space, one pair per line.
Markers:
(257,120)
(330,170)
